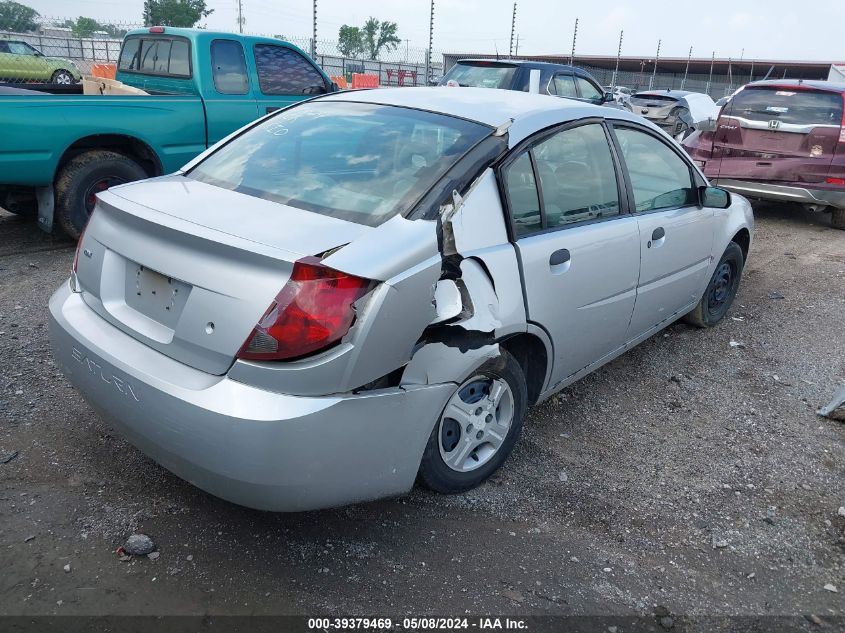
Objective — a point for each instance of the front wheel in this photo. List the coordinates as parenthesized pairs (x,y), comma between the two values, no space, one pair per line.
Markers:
(720,291)
(63,77)
(82,178)
(477,429)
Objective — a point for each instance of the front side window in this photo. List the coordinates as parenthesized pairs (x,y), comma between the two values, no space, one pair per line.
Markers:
(21,48)
(577,176)
(588,90)
(283,71)
(228,67)
(359,162)
(660,179)
(564,86)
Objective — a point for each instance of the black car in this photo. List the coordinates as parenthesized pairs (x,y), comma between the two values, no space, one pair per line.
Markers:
(555,79)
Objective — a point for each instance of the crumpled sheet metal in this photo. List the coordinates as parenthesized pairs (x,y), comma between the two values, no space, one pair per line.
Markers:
(835,409)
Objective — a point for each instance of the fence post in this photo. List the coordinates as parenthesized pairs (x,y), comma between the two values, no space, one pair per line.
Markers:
(427,66)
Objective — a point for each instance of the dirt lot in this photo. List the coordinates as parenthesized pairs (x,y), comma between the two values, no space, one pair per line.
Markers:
(689,474)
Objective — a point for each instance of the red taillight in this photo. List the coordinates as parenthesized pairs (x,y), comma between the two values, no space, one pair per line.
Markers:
(156,29)
(835,181)
(311,312)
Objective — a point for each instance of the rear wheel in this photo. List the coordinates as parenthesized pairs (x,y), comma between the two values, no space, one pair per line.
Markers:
(720,291)
(82,178)
(837,219)
(478,428)
(63,77)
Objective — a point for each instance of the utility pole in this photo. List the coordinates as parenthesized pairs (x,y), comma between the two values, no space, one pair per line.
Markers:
(654,72)
(618,55)
(574,37)
(513,30)
(314,32)
(710,80)
(240,16)
(686,72)
(516,49)
(430,41)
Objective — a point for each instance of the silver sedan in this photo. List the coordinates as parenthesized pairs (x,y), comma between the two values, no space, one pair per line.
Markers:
(370,288)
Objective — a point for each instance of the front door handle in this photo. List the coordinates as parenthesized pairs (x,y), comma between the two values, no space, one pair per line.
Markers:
(560,261)
(658,237)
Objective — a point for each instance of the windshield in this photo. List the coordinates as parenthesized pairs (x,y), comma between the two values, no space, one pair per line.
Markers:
(482,75)
(355,161)
(802,107)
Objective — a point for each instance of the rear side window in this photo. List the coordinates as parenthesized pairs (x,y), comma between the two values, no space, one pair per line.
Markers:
(156,56)
(480,75)
(802,107)
(522,194)
(283,71)
(564,86)
(588,90)
(228,67)
(660,179)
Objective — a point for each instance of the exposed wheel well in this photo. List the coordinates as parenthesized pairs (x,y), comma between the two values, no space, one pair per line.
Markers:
(530,353)
(743,238)
(129,146)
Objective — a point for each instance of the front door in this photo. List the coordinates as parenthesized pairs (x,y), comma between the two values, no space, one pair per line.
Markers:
(578,248)
(284,77)
(676,233)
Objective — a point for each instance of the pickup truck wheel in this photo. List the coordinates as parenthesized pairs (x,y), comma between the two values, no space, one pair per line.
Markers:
(721,290)
(478,428)
(837,219)
(63,77)
(82,178)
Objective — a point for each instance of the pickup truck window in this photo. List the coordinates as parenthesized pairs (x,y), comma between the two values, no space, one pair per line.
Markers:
(169,57)
(359,162)
(283,71)
(228,67)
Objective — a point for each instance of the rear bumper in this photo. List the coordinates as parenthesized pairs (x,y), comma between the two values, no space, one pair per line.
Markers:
(250,446)
(784,193)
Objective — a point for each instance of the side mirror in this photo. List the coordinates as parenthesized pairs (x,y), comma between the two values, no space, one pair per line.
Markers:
(335,87)
(608,97)
(715,198)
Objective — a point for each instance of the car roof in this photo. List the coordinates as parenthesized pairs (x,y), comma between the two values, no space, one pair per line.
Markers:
(492,107)
(525,63)
(197,34)
(798,83)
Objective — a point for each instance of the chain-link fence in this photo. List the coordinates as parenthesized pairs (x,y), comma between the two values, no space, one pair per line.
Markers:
(60,54)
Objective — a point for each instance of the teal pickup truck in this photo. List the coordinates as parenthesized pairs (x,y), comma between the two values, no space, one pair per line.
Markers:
(58,151)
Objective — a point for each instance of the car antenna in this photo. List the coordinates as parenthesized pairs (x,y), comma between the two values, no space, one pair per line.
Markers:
(496,47)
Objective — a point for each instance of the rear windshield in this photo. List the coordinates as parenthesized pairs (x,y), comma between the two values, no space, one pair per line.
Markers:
(170,56)
(653,98)
(483,75)
(354,161)
(801,107)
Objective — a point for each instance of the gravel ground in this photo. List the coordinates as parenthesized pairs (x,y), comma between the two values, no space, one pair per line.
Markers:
(689,475)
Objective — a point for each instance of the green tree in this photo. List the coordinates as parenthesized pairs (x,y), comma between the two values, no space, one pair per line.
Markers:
(17,17)
(378,36)
(185,13)
(350,41)
(83,27)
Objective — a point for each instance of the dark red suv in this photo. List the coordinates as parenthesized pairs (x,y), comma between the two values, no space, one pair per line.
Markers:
(780,140)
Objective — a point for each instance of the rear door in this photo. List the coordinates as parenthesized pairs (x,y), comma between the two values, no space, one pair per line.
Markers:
(778,133)
(229,101)
(578,248)
(284,76)
(675,232)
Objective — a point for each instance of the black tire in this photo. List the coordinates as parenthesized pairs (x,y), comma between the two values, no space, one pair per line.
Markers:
(435,474)
(837,219)
(84,176)
(720,292)
(63,77)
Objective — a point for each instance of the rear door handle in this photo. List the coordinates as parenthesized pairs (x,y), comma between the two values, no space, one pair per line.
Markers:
(658,237)
(560,261)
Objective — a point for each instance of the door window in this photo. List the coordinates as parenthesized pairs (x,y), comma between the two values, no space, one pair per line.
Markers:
(577,176)
(522,193)
(588,90)
(564,86)
(228,67)
(20,48)
(283,71)
(660,179)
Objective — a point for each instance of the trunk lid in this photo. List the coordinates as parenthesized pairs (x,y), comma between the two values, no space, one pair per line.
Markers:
(189,269)
(779,134)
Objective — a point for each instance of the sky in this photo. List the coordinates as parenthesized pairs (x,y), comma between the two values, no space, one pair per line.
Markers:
(775,29)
